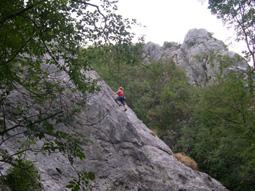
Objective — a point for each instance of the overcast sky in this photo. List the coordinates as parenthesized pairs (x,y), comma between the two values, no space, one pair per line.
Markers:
(170,20)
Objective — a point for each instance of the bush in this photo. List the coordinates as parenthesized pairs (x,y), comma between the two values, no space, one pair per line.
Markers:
(186,160)
(23,177)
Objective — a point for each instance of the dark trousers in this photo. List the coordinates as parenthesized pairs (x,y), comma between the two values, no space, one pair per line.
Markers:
(121,99)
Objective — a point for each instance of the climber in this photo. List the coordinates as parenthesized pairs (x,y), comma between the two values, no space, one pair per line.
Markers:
(121,97)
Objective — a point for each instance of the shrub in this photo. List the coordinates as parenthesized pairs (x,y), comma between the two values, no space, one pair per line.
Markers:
(186,160)
(23,177)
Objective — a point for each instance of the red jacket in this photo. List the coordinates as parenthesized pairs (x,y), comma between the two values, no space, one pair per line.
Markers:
(120,93)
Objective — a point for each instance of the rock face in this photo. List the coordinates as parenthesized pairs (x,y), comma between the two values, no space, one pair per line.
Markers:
(201,56)
(122,152)
(133,158)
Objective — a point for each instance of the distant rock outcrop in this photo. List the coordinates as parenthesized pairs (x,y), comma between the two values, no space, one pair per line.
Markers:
(201,56)
(120,150)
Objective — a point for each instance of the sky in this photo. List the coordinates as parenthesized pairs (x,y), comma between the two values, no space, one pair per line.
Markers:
(170,20)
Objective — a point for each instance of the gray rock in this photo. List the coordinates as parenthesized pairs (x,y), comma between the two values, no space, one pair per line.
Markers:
(133,159)
(201,56)
(122,152)
(151,51)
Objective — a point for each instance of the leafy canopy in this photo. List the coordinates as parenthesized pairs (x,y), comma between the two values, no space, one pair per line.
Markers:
(240,14)
(40,67)
(51,31)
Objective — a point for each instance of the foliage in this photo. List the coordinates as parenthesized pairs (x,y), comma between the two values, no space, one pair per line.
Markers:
(35,32)
(221,135)
(40,66)
(82,182)
(239,14)
(236,125)
(23,177)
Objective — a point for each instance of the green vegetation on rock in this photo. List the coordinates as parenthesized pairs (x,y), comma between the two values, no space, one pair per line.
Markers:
(23,177)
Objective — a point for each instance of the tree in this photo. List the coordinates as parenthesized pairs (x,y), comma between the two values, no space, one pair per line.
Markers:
(221,134)
(240,14)
(40,39)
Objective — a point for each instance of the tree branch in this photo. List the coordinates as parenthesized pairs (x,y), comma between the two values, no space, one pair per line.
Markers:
(4,116)
(19,50)
(11,16)
(11,136)
(245,34)
(97,7)
(35,122)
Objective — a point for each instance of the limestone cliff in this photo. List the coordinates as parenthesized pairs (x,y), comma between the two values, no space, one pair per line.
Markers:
(201,56)
(122,152)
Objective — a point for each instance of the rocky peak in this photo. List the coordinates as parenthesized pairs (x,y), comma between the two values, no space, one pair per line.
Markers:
(201,37)
(201,56)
